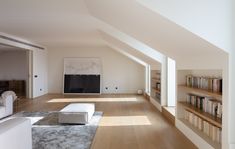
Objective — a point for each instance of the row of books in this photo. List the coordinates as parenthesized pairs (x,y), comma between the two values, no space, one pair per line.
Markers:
(206,104)
(210,130)
(207,83)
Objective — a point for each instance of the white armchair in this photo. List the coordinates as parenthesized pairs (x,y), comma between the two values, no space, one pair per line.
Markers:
(6,104)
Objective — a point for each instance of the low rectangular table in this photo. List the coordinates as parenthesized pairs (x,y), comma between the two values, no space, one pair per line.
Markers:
(77,113)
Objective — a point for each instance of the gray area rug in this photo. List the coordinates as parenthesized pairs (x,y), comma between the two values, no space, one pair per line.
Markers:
(47,133)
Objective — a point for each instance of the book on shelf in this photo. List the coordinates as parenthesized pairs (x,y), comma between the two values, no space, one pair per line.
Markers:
(158,86)
(206,104)
(213,132)
(208,83)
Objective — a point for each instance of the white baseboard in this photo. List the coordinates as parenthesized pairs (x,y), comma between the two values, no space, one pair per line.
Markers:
(156,104)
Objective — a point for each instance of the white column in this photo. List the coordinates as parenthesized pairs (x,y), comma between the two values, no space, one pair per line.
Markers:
(231,81)
(164,82)
(226,102)
(30,74)
(171,82)
(231,102)
(147,79)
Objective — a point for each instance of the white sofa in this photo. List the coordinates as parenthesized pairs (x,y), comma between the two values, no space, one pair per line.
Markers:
(16,133)
(6,105)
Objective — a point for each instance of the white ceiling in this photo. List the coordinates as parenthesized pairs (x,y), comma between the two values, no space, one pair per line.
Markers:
(149,27)
(72,23)
(50,23)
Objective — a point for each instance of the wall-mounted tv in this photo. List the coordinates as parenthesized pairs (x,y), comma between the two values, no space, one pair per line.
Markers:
(81,83)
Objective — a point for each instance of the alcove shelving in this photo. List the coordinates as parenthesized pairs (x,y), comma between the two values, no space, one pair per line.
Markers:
(199,106)
(156,85)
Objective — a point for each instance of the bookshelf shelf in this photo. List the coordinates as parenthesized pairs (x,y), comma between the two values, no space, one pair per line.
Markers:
(204,115)
(201,92)
(156,80)
(156,90)
(201,134)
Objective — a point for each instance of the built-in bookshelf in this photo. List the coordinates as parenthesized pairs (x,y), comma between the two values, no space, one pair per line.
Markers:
(199,107)
(157,91)
(202,92)
(156,85)
(204,115)
(200,134)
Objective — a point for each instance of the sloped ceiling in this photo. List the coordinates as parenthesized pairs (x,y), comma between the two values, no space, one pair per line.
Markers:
(208,19)
(136,59)
(151,28)
(54,23)
(73,23)
(123,47)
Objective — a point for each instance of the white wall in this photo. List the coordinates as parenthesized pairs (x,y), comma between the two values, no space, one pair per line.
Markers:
(13,65)
(231,79)
(209,19)
(204,61)
(40,69)
(118,70)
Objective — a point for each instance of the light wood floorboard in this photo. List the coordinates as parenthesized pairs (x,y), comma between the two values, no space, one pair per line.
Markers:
(129,123)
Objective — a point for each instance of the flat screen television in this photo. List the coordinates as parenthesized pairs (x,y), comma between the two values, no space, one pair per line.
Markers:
(81,83)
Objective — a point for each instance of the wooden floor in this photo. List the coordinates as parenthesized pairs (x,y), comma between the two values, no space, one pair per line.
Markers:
(128,122)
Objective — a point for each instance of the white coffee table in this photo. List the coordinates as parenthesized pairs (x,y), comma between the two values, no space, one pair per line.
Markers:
(77,113)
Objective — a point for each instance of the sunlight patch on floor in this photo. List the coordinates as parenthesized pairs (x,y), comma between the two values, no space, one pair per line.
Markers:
(92,100)
(124,121)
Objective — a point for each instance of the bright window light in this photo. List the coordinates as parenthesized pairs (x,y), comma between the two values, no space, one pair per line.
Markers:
(124,121)
(58,100)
